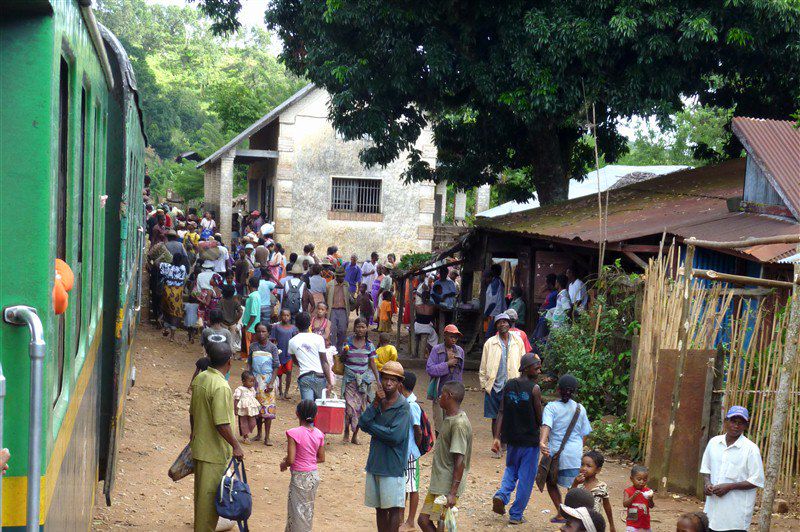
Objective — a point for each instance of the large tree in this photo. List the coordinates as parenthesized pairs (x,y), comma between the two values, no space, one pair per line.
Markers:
(509,85)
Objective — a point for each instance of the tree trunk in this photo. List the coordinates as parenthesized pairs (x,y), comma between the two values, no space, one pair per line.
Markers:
(549,168)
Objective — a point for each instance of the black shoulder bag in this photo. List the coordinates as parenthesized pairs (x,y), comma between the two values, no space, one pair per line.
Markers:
(547,474)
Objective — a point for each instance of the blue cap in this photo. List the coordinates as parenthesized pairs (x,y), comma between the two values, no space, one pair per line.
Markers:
(738,411)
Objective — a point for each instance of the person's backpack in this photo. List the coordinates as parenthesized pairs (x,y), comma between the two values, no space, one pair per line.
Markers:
(233,500)
(428,437)
(293,299)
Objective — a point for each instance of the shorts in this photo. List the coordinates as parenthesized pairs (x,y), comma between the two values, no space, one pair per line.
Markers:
(491,404)
(385,492)
(435,511)
(634,529)
(412,475)
(285,369)
(566,476)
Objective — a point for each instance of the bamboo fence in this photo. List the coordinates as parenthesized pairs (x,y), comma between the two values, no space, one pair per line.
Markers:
(757,335)
(660,323)
(752,380)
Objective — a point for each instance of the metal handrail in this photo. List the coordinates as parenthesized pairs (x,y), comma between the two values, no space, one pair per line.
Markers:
(24,315)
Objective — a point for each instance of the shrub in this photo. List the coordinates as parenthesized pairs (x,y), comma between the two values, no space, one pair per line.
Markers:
(616,438)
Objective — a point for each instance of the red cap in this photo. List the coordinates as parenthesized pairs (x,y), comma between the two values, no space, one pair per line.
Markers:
(452,329)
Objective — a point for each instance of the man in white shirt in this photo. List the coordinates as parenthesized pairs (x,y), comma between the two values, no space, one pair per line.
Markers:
(308,352)
(221,264)
(577,291)
(732,470)
(369,270)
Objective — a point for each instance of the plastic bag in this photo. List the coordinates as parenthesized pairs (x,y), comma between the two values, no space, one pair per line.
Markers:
(447,522)
(182,466)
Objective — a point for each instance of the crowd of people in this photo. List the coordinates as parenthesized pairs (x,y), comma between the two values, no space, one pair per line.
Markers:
(285,315)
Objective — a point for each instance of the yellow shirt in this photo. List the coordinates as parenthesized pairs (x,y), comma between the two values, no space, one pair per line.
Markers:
(192,238)
(212,405)
(385,354)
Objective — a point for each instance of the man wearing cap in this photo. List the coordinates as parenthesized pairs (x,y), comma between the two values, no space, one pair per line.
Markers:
(256,221)
(340,301)
(512,314)
(499,363)
(732,470)
(388,421)
(518,427)
(212,441)
(445,363)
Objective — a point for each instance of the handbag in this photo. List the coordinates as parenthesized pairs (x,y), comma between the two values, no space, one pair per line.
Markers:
(182,466)
(547,473)
(338,365)
(433,387)
(234,500)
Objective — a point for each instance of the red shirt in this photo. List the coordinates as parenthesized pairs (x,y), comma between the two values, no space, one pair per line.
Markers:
(639,510)
(524,337)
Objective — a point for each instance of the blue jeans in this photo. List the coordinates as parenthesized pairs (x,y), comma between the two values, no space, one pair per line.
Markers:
(521,466)
(311,386)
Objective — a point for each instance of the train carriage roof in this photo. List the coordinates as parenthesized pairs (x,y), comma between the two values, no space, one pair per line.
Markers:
(126,73)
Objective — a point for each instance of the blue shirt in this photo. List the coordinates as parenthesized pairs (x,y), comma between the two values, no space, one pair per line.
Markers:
(388,448)
(502,369)
(352,274)
(264,289)
(416,419)
(557,416)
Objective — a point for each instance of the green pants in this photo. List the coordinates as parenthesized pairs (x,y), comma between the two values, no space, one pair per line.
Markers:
(207,477)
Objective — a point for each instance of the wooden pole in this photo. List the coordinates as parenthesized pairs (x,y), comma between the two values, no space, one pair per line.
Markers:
(780,239)
(401,308)
(683,346)
(741,279)
(781,406)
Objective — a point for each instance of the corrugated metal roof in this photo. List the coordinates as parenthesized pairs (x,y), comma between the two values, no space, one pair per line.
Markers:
(686,203)
(791,259)
(775,146)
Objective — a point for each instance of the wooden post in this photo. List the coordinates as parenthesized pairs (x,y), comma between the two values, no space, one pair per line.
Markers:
(683,346)
(401,308)
(781,406)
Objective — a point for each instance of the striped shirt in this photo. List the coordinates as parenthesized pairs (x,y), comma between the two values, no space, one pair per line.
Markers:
(357,359)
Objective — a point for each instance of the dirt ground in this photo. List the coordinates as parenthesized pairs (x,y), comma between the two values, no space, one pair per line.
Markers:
(157,428)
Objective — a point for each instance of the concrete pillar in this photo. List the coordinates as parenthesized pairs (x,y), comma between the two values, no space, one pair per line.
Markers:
(211,187)
(224,214)
(461,206)
(440,196)
(483,197)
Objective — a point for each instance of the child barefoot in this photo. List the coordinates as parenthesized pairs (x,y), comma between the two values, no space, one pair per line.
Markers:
(245,405)
(638,500)
(385,313)
(591,465)
(305,449)
(263,363)
(693,522)
(385,351)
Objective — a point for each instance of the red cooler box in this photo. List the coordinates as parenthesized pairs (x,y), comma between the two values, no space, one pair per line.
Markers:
(330,414)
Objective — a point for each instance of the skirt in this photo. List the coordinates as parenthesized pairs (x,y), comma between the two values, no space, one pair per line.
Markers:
(172,302)
(357,398)
(300,505)
(265,398)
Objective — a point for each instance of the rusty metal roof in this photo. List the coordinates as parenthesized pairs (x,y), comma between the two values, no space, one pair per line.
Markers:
(685,204)
(775,146)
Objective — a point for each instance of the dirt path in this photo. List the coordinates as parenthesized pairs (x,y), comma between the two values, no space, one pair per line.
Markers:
(157,428)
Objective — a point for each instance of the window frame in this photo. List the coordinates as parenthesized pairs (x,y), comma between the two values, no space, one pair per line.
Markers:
(355,207)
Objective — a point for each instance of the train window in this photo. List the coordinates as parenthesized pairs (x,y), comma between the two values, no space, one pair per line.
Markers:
(61,206)
(77,288)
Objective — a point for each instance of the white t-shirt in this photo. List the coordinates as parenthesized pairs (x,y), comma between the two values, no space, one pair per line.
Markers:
(368,273)
(306,347)
(737,463)
(205,223)
(221,264)
(578,294)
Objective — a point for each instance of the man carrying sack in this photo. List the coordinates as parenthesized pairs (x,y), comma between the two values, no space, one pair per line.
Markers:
(212,440)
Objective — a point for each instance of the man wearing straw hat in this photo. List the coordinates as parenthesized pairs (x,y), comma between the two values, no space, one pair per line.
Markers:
(732,470)
(388,421)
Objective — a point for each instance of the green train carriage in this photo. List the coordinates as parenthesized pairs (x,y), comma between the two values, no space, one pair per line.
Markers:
(71,172)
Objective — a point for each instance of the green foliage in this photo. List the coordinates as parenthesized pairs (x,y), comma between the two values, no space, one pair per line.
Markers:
(615,437)
(197,89)
(603,374)
(695,136)
(413,260)
(507,87)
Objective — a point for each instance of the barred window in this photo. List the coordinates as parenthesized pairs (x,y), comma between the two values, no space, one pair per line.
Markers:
(356,195)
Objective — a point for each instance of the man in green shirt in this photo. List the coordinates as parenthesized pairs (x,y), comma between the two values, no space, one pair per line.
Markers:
(451,457)
(212,441)
(251,316)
